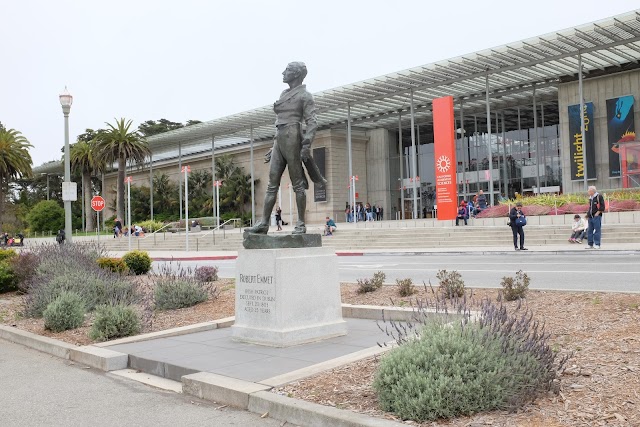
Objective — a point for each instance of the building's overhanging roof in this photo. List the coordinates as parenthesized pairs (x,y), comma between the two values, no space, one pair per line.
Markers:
(607,46)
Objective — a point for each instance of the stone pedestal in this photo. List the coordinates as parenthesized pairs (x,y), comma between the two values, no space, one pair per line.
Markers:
(286,297)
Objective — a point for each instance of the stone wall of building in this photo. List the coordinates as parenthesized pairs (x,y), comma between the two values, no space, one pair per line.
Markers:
(336,171)
(596,90)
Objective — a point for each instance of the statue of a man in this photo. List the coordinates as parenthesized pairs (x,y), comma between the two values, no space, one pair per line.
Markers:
(291,146)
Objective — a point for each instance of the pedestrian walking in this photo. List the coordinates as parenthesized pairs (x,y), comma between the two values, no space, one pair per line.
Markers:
(61,237)
(279,218)
(594,215)
(117,228)
(517,221)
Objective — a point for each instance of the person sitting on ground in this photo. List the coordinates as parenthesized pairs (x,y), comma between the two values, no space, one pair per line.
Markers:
(578,229)
(462,213)
(138,231)
(329,227)
(125,232)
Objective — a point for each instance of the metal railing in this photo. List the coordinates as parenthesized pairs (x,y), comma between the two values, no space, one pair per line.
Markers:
(235,222)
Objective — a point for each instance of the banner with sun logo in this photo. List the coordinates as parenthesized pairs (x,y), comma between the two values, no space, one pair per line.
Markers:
(620,128)
(445,158)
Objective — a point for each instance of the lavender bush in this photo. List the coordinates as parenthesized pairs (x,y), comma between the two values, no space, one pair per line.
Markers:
(176,287)
(452,361)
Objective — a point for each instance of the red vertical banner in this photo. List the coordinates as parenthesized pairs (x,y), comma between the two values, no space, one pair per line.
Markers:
(445,158)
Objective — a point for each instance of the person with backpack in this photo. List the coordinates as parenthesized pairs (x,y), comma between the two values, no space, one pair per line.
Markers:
(60,237)
(594,215)
(517,221)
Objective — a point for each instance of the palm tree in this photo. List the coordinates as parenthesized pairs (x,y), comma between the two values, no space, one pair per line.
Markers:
(165,195)
(236,191)
(118,143)
(15,160)
(85,162)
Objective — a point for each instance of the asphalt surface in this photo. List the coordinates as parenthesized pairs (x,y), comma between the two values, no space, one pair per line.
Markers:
(41,390)
(589,271)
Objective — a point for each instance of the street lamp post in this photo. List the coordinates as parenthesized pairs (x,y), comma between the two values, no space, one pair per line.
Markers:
(65,101)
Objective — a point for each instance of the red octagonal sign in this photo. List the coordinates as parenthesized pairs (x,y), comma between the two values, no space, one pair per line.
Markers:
(97,203)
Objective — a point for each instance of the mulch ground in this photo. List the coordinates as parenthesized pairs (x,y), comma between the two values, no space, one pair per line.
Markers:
(601,386)
(221,305)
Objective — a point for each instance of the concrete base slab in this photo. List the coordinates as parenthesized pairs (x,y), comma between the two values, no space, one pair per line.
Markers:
(309,414)
(281,241)
(221,389)
(100,358)
(290,336)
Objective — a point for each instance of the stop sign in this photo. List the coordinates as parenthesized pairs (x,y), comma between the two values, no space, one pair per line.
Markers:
(97,203)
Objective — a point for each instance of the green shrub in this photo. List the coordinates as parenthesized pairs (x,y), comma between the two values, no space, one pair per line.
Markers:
(138,262)
(151,226)
(451,283)
(405,287)
(94,289)
(515,288)
(8,280)
(373,284)
(46,215)
(178,293)
(455,370)
(114,321)
(64,312)
(115,265)
(7,254)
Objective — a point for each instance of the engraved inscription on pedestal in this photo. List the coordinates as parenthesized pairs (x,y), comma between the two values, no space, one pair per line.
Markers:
(258,297)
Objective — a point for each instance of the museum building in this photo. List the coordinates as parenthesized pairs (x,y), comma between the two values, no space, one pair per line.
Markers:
(518,128)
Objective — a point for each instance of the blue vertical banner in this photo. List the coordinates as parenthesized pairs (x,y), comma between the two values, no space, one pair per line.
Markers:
(620,128)
(575,136)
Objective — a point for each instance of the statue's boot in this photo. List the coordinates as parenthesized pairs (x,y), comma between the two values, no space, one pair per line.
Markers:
(301,201)
(259,228)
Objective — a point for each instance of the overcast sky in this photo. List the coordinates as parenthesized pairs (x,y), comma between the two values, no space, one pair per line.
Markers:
(188,59)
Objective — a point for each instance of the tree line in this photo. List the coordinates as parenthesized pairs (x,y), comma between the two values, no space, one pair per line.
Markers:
(96,152)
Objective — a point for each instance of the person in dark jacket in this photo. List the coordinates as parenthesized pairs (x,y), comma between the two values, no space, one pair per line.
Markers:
(61,237)
(462,213)
(594,215)
(518,230)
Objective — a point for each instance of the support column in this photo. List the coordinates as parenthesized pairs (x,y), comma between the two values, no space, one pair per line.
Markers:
(253,186)
(544,145)
(151,184)
(400,152)
(537,140)
(180,177)
(352,192)
(465,160)
(500,189)
(582,124)
(213,180)
(414,161)
(475,138)
(489,144)
(504,158)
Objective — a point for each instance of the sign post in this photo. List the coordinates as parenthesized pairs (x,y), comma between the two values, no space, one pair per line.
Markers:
(354,197)
(186,170)
(128,181)
(97,204)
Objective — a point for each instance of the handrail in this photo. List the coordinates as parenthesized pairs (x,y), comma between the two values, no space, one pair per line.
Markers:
(234,220)
(213,230)
(158,230)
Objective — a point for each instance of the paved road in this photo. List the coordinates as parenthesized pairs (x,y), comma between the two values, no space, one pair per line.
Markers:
(579,271)
(41,390)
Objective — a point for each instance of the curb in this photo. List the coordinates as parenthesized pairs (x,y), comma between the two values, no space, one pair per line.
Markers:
(300,412)
(44,344)
(196,258)
(502,252)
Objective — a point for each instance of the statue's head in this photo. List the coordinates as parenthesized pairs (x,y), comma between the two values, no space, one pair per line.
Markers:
(295,70)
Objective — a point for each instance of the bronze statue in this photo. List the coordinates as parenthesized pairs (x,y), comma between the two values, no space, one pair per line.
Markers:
(291,147)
